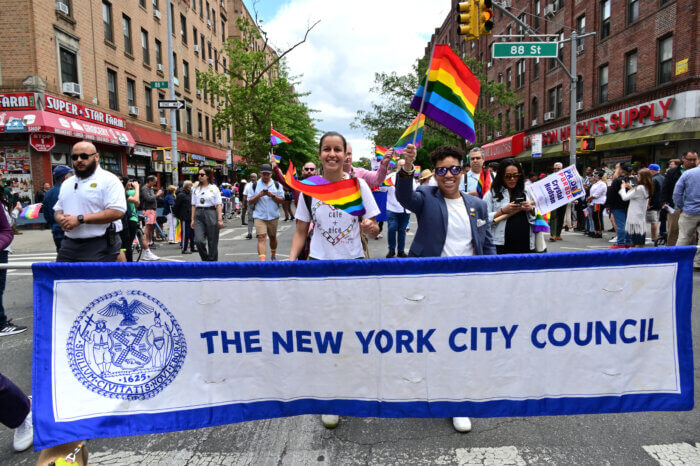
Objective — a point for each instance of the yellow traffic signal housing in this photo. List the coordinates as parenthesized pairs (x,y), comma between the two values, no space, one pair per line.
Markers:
(468,19)
(485,18)
(587,144)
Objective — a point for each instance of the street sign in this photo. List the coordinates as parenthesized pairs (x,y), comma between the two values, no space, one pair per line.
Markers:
(536,141)
(42,142)
(159,84)
(525,49)
(171,104)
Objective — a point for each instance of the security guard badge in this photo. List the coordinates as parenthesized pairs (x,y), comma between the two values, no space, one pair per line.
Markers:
(93,185)
(201,200)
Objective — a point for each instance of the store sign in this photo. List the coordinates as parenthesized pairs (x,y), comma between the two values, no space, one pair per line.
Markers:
(65,107)
(505,147)
(17,101)
(189,170)
(536,145)
(229,158)
(143,151)
(15,126)
(194,158)
(42,142)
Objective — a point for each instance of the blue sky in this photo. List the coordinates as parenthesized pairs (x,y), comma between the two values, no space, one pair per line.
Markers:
(354,40)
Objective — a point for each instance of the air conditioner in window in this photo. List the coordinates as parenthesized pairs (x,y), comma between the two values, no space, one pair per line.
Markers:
(548,116)
(200,134)
(499,134)
(176,81)
(163,121)
(211,61)
(156,13)
(230,144)
(196,48)
(159,67)
(506,3)
(579,105)
(579,49)
(199,92)
(549,10)
(208,23)
(219,141)
(63,8)
(489,64)
(534,122)
(133,110)
(71,88)
(222,4)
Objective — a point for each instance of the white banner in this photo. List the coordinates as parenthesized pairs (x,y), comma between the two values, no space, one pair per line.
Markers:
(557,189)
(536,145)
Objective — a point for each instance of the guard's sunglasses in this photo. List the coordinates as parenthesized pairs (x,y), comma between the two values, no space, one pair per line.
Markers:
(82,156)
(442,171)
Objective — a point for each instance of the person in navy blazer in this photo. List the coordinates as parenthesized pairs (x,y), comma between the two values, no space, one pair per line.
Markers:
(442,226)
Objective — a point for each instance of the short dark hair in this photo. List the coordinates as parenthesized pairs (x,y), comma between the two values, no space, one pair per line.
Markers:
(443,152)
(329,134)
(150,178)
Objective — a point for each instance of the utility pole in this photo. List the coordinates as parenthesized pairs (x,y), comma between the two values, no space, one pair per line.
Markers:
(174,157)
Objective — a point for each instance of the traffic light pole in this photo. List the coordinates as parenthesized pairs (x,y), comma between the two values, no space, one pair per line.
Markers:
(174,157)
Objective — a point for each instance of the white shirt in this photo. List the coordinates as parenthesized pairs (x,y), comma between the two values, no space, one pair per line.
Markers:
(458,241)
(206,197)
(599,192)
(246,190)
(392,205)
(336,233)
(79,196)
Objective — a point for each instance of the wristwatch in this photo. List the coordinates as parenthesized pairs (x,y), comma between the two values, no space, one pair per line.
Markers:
(403,173)
(81,219)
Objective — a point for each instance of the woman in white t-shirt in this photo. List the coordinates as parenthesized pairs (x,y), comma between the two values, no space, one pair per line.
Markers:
(336,233)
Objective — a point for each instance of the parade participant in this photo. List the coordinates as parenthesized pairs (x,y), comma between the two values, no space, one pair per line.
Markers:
(531,178)
(558,215)
(638,196)
(374,179)
(247,208)
(168,204)
(471,179)
(183,211)
(130,220)
(508,198)
(337,234)
(654,210)
(89,210)
(686,195)
(41,192)
(287,205)
(689,160)
(450,222)
(307,170)
(206,217)
(618,206)
(149,204)
(596,199)
(397,216)
(244,202)
(265,197)
(16,413)
(6,237)
(425,177)
(60,173)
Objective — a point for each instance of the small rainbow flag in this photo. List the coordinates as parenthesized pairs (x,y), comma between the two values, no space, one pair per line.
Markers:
(392,164)
(380,151)
(277,138)
(541,225)
(178,231)
(416,169)
(344,195)
(484,183)
(278,158)
(407,137)
(388,181)
(31,211)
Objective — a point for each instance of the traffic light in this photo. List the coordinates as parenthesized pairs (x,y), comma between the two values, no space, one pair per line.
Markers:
(468,19)
(565,146)
(587,144)
(485,18)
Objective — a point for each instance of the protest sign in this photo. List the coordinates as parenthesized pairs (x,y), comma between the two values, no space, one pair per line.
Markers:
(557,189)
(119,354)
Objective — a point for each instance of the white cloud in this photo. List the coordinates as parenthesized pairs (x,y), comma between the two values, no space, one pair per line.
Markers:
(354,40)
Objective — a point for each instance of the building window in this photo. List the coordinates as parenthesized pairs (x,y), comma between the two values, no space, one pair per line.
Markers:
(665,47)
(520,74)
(126,25)
(199,123)
(631,72)
(209,48)
(112,89)
(507,121)
(201,10)
(208,13)
(161,112)
(213,22)
(508,77)
(534,110)
(560,52)
(581,29)
(536,68)
(201,44)
(520,117)
(69,66)
(632,11)
(186,74)
(604,19)
(554,101)
(149,103)
(142,3)
(603,84)
(224,65)
(194,38)
(206,127)
(216,61)
(130,92)
(223,31)
(183,28)
(107,21)
(521,29)
(579,88)
(155,5)
(188,119)
(159,53)
(536,19)
(144,47)
(174,64)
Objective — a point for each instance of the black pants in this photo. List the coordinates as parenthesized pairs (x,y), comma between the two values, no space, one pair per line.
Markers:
(14,404)
(206,234)
(597,217)
(89,250)
(187,235)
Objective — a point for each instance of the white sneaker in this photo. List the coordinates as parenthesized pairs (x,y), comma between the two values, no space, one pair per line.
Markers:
(24,434)
(614,240)
(462,424)
(330,421)
(149,256)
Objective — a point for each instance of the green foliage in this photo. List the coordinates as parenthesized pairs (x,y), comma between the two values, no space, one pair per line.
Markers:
(255,90)
(364,162)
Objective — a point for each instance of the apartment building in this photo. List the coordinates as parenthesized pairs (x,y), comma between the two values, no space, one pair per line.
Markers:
(637,87)
(85,69)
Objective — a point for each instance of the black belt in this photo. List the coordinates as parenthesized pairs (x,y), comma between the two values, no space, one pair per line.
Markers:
(85,240)
(207,208)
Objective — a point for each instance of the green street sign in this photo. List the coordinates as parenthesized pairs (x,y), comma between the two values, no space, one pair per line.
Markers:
(525,49)
(159,84)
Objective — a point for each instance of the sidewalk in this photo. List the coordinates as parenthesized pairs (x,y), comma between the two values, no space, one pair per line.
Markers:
(33,241)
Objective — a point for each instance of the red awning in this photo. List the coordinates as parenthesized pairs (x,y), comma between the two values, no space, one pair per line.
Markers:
(37,121)
(154,138)
(505,147)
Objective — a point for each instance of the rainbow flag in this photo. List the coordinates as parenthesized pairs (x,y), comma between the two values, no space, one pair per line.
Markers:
(416,169)
(277,138)
(407,137)
(451,93)
(392,164)
(343,194)
(278,158)
(541,225)
(379,152)
(484,184)
(388,181)
(31,211)
(178,231)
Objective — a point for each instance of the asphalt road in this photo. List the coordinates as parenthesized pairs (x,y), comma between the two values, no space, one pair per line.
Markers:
(635,438)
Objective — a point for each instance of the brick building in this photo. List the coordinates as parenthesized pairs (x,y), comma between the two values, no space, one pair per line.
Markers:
(82,69)
(638,88)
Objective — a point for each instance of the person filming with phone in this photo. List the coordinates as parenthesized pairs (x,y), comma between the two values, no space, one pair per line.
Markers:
(264,198)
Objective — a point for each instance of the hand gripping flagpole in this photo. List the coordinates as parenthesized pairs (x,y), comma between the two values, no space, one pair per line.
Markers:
(425,89)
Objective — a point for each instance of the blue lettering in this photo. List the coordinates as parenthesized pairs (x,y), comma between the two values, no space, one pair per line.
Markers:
(642,330)
(453,335)
(623,337)
(210,339)
(651,336)
(286,344)
(424,341)
(252,338)
(403,341)
(236,341)
(365,341)
(533,336)
(610,334)
(567,334)
(489,331)
(389,341)
(327,340)
(303,339)
(474,338)
(508,335)
(577,334)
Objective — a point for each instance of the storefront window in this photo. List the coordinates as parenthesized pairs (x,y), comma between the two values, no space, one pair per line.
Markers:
(15,166)
(111,160)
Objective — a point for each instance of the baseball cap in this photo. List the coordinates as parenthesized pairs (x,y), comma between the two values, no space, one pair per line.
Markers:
(654,167)
(266,168)
(627,167)
(61,171)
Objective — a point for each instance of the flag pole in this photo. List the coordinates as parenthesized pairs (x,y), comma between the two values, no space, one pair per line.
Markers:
(425,89)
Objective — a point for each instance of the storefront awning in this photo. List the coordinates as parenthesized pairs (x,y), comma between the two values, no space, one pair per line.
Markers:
(504,147)
(154,138)
(686,128)
(547,153)
(37,121)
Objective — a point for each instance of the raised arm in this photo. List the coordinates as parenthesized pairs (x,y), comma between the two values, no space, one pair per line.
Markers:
(405,194)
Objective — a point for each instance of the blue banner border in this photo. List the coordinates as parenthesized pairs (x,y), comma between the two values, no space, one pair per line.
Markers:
(48,433)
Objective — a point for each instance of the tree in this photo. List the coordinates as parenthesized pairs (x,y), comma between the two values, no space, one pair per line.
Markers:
(255,90)
(364,162)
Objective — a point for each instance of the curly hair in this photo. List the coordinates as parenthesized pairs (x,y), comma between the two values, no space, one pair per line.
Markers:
(443,152)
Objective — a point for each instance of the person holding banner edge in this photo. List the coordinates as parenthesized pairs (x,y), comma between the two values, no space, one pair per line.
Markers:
(558,215)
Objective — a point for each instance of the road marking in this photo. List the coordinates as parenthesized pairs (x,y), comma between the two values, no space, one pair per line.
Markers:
(674,453)
(479,456)
(33,254)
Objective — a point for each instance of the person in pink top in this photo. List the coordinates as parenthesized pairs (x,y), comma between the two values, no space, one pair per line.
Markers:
(373,178)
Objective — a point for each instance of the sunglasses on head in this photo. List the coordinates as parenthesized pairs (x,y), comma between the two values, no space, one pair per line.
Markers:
(454,169)
(83,156)
(511,176)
